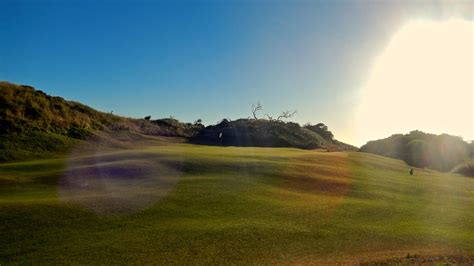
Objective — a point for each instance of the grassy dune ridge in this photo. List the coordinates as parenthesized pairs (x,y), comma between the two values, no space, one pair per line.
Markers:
(233,205)
(35,125)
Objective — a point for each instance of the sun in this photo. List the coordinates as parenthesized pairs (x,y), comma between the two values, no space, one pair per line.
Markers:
(422,80)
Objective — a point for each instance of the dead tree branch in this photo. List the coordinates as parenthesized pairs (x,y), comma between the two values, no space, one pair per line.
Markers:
(270,118)
(255,109)
(285,115)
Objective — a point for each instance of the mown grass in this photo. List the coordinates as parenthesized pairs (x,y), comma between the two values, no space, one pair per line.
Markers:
(237,205)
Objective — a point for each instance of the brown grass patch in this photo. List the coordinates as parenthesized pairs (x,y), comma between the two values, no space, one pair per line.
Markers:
(318,173)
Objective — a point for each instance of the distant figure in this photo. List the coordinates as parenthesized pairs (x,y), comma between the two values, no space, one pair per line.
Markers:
(220,135)
(411,171)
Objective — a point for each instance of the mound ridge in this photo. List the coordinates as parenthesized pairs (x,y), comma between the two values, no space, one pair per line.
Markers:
(269,133)
(439,152)
(34,124)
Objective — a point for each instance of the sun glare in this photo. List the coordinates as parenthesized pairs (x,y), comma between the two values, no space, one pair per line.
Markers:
(422,80)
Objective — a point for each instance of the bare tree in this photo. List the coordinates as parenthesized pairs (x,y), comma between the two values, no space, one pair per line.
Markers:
(286,114)
(255,109)
(270,118)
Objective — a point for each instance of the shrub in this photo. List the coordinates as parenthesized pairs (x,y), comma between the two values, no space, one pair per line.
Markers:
(439,152)
(466,168)
(78,132)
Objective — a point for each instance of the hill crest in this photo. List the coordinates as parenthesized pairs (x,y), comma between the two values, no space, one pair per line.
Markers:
(439,152)
(33,124)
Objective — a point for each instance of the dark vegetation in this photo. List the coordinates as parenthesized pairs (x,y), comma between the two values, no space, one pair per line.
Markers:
(269,133)
(466,168)
(439,152)
(174,128)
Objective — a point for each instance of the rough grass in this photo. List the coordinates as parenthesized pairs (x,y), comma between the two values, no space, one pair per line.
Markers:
(231,205)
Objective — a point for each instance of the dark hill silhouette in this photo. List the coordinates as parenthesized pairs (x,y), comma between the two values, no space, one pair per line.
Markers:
(269,133)
(439,152)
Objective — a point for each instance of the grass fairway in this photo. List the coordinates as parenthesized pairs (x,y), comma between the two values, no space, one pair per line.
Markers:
(182,203)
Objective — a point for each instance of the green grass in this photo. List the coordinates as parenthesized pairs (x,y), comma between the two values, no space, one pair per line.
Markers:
(226,205)
(34,145)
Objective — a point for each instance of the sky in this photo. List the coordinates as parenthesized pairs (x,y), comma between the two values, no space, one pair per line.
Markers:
(211,60)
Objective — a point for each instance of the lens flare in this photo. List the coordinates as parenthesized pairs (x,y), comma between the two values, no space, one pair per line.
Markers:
(422,80)
(116,180)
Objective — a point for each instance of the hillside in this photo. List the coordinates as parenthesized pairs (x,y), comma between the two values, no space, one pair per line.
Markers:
(181,203)
(269,133)
(34,124)
(439,152)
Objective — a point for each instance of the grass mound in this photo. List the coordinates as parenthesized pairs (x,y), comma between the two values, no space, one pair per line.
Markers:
(34,124)
(266,133)
(25,109)
(439,152)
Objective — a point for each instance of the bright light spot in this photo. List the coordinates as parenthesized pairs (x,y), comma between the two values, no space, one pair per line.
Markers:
(422,80)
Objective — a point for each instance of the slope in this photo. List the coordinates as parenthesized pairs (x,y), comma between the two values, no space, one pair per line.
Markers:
(36,125)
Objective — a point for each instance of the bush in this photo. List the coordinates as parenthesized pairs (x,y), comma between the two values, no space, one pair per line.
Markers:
(321,129)
(466,168)
(439,152)
(78,133)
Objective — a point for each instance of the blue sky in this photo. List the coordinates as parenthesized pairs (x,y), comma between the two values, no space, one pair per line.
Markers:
(202,59)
